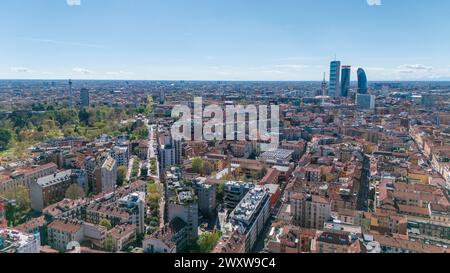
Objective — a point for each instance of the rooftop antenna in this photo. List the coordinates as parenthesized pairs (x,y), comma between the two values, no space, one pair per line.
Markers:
(324,87)
(324,83)
(71,105)
(70,93)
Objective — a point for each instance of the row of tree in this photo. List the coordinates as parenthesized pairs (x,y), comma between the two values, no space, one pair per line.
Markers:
(202,167)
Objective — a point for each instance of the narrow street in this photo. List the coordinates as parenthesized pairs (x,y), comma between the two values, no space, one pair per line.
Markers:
(129,169)
(152,153)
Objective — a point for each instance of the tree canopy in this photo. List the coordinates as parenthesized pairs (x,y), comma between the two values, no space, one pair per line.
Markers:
(20,195)
(109,243)
(5,138)
(207,241)
(106,223)
(197,165)
(121,175)
(24,128)
(75,192)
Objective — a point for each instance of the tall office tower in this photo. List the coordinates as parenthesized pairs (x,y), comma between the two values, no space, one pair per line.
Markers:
(335,73)
(162,96)
(345,80)
(70,94)
(362,81)
(84,97)
(365,101)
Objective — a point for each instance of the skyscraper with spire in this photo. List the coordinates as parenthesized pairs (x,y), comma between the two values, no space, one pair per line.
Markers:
(324,84)
(324,87)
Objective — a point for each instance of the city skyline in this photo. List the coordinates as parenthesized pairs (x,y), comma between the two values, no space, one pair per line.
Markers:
(205,40)
(224,127)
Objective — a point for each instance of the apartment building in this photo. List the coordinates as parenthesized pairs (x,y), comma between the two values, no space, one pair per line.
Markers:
(251,214)
(171,238)
(24,176)
(122,236)
(50,189)
(184,205)
(310,211)
(101,173)
(234,192)
(62,232)
(206,193)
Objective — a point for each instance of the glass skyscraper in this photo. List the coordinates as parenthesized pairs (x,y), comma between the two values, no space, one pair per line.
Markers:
(84,97)
(365,101)
(345,80)
(362,82)
(335,73)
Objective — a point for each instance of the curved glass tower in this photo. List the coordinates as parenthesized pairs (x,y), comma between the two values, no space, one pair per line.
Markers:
(362,81)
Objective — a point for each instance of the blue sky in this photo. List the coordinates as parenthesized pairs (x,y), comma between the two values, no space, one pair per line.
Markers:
(223,39)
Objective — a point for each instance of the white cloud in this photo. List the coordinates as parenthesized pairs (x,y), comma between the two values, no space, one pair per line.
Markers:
(21,69)
(408,72)
(211,58)
(291,66)
(83,71)
(64,43)
(268,72)
(292,59)
(73,2)
(119,73)
(374,2)
(413,68)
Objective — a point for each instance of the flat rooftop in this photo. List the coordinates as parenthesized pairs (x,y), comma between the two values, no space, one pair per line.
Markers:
(249,205)
(50,180)
(277,154)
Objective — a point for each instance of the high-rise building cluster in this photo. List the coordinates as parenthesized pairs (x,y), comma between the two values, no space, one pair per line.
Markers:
(340,85)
